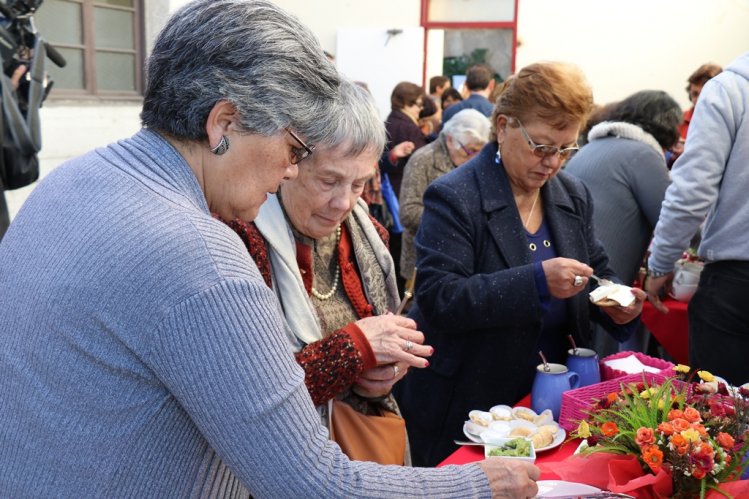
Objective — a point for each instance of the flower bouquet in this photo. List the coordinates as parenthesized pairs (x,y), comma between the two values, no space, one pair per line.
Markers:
(672,437)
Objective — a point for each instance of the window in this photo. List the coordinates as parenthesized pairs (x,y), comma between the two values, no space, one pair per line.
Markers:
(471,31)
(101,41)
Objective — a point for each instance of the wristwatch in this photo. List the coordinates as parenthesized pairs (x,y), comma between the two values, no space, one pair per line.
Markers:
(655,273)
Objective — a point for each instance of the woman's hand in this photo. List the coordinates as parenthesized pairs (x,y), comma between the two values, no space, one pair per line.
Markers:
(395,339)
(378,381)
(560,276)
(403,149)
(623,315)
(654,286)
(511,479)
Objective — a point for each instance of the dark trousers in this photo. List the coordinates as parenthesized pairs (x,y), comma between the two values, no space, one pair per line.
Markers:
(719,321)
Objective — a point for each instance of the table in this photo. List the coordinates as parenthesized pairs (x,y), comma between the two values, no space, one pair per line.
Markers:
(472,453)
(671,329)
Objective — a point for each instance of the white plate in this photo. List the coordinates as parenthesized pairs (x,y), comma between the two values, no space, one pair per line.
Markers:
(473,437)
(469,427)
(558,488)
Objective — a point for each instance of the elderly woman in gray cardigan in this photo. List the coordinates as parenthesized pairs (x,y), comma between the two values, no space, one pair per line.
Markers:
(461,138)
(141,352)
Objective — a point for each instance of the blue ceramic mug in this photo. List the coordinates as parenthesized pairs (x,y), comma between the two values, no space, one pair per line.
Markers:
(584,362)
(549,385)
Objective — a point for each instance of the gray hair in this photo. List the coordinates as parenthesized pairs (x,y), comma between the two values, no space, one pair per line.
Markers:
(468,125)
(359,127)
(250,53)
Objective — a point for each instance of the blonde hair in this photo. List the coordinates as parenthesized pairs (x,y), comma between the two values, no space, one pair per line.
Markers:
(556,92)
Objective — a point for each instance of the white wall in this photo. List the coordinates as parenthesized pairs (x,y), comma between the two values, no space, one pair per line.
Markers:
(326,17)
(631,45)
(73,128)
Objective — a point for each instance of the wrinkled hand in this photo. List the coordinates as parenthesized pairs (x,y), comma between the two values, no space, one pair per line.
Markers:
(389,336)
(512,479)
(403,149)
(654,286)
(560,276)
(623,315)
(378,381)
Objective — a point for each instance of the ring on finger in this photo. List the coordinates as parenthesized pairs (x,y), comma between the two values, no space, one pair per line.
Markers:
(408,345)
(578,281)
(396,370)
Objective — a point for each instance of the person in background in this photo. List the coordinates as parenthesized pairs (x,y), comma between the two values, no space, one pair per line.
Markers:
(450,97)
(429,119)
(460,140)
(479,84)
(402,126)
(141,352)
(624,167)
(504,253)
(437,86)
(327,261)
(710,180)
(695,82)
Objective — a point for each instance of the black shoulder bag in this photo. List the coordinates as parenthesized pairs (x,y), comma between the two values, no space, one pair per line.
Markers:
(21,136)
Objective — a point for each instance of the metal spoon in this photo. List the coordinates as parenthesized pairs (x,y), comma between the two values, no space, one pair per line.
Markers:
(601,281)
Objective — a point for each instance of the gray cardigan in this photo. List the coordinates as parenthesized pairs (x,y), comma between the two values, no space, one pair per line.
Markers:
(142,355)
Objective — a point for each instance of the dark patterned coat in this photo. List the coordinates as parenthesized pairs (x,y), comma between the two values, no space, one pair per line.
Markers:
(476,298)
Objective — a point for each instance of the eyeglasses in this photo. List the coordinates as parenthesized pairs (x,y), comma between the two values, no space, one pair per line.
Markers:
(299,153)
(541,150)
(468,152)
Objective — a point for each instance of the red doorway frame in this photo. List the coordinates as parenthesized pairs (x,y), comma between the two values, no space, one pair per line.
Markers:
(427,25)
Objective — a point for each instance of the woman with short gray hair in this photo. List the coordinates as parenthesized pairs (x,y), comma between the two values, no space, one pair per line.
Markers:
(141,353)
(461,138)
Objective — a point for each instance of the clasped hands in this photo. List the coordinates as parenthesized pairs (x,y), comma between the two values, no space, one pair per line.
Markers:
(397,346)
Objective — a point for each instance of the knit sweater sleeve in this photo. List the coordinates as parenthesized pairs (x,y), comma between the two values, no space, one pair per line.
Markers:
(334,363)
(222,354)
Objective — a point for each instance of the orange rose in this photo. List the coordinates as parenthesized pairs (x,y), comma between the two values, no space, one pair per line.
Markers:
(666,428)
(612,397)
(653,457)
(644,436)
(698,473)
(674,414)
(725,440)
(609,429)
(703,450)
(680,424)
(692,415)
(679,443)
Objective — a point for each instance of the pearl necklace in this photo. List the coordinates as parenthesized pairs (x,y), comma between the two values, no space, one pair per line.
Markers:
(329,294)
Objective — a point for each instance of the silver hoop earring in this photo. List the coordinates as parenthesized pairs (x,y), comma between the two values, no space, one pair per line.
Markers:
(222,147)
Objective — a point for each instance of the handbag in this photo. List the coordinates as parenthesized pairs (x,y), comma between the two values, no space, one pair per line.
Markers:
(363,437)
(20,130)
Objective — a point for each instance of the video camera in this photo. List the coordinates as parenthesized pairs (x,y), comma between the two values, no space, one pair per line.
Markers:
(22,91)
(18,37)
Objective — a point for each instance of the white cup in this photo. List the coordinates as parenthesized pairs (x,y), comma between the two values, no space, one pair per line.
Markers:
(687,273)
(683,292)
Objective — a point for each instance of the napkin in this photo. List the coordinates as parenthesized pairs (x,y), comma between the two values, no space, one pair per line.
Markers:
(630,365)
(617,292)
